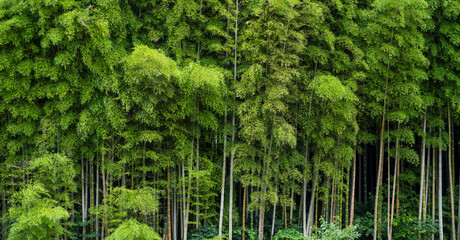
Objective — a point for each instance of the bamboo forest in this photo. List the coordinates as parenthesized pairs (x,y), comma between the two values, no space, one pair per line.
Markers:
(229,119)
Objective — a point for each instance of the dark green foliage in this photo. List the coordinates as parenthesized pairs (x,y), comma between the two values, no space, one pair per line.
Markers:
(204,232)
(407,227)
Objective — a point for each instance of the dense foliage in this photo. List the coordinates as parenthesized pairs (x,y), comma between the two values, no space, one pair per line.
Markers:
(238,119)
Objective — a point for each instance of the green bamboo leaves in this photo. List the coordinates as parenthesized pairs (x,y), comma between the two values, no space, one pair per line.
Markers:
(132,229)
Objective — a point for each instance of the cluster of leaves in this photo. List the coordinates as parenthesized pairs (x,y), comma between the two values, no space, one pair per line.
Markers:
(408,227)
(405,226)
(205,232)
(40,209)
(36,215)
(125,203)
(331,230)
(134,230)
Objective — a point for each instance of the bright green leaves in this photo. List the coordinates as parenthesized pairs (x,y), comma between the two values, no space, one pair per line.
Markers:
(397,64)
(252,128)
(56,172)
(329,88)
(251,81)
(139,201)
(150,79)
(206,85)
(132,229)
(444,43)
(285,134)
(333,127)
(272,47)
(35,215)
(39,209)
(150,67)
(288,233)
(331,230)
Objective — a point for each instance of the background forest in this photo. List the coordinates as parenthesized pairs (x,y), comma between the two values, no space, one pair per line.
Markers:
(233,119)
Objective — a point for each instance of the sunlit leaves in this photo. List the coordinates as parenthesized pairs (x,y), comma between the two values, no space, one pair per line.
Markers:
(132,229)
(149,66)
(35,215)
(143,200)
(329,88)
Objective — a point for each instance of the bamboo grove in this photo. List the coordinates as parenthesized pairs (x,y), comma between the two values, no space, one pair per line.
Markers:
(229,119)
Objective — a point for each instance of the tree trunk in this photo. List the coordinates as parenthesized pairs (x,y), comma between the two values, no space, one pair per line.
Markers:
(291,206)
(400,169)
(261,214)
(458,223)
(340,197)
(379,176)
(252,212)
(197,206)
(441,234)
(174,210)
(273,221)
(87,192)
(304,193)
(433,194)
(187,208)
(169,204)
(453,157)
(182,203)
(285,215)
(97,199)
(352,206)
(332,212)
(83,217)
(316,210)
(347,198)
(312,203)
(395,179)
(244,211)
(222,191)
(326,200)
(451,183)
(104,195)
(388,181)
(301,209)
(360,176)
(422,175)
(235,65)
(230,202)
(380,168)
(427,182)
(92,195)
(3,231)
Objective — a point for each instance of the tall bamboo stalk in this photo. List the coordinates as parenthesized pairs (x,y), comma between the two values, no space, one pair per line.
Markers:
(451,183)
(422,175)
(441,231)
(235,65)
(222,191)
(169,204)
(352,205)
(394,184)
(244,211)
